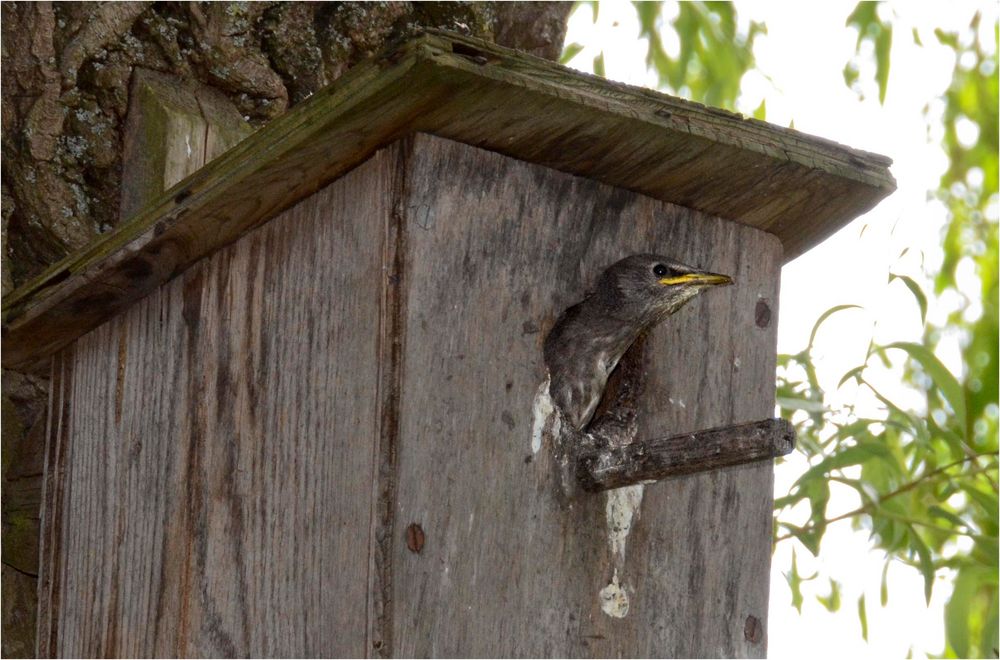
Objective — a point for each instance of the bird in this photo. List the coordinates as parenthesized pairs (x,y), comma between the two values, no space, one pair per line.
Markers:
(589,338)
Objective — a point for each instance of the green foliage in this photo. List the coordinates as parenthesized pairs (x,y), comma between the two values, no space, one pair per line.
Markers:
(713,55)
(872,29)
(795,581)
(926,475)
(967,188)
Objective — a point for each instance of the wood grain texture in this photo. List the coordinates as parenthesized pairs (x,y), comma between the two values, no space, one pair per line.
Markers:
(217,499)
(248,451)
(798,187)
(491,259)
(173,128)
(54,497)
(646,460)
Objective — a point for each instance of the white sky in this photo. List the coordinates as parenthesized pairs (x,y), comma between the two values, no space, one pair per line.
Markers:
(803,56)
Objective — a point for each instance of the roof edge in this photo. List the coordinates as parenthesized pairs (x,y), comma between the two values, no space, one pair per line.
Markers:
(798,187)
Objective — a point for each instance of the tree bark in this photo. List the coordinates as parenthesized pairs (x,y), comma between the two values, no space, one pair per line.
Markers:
(65,94)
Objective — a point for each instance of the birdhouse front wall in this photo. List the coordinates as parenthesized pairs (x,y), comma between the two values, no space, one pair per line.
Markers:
(318,441)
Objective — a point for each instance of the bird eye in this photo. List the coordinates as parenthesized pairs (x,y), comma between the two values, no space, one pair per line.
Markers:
(660,270)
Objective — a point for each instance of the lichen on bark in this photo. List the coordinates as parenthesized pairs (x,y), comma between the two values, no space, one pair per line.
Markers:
(66,77)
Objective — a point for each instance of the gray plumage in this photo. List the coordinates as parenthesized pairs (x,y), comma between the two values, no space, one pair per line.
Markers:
(589,338)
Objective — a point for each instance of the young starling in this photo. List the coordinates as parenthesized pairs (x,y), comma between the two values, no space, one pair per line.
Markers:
(590,337)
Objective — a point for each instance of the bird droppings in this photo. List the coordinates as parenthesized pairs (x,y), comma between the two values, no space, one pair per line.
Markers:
(614,599)
(544,419)
(737,363)
(621,510)
(677,402)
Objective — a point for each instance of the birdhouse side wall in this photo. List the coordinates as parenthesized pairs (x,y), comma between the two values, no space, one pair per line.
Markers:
(318,441)
(209,486)
(495,249)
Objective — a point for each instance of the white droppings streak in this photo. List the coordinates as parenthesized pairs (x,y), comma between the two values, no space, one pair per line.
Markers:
(614,599)
(622,507)
(542,411)
(621,510)
(187,143)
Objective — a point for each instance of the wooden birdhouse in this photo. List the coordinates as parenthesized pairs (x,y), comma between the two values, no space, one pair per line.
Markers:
(296,399)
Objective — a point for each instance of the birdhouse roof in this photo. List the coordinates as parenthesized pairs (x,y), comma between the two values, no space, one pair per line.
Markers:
(798,187)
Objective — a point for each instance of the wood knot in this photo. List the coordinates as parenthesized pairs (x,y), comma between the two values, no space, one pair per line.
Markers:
(753,630)
(415,538)
(762,314)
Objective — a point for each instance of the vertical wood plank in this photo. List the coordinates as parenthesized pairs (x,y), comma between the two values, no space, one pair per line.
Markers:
(51,525)
(251,442)
(222,447)
(495,250)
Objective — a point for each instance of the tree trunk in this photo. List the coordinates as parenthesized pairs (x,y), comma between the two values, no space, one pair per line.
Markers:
(66,78)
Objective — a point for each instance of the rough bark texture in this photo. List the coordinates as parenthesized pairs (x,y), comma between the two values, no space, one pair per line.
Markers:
(67,67)
(65,94)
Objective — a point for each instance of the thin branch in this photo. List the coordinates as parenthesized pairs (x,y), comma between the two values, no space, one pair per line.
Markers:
(899,491)
(947,530)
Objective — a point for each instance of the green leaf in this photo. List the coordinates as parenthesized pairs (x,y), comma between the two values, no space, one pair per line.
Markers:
(850,74)
(988,501)
(865,19)
(884,590)
(790,403)
(832,600)
(924,563)
(956,612)
(795,582)
(917,292)
(570,51)
(935,511)
(823,317)
(599,65)
(883,45)
(761,111)
(863,617)
(854,455)
(991,631)
(854,373)
(949,386)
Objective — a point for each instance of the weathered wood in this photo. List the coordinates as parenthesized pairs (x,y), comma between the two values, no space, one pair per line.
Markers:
(645,461)
(249,449)
(505,570)
(173,128)
(51,550)
(797,187)
(217,495)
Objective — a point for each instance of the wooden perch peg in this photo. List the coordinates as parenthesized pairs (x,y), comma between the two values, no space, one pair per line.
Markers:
(652,460)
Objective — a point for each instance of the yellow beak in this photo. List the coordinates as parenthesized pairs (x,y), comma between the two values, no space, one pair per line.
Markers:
(711,279)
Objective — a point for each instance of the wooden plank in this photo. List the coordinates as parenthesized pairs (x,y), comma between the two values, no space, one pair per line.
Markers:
(50,550)
(798,187)
(219,494)
(647,460)
(173,128)
(505,568)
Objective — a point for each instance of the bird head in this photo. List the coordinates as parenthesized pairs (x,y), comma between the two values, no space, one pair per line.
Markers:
(646,288)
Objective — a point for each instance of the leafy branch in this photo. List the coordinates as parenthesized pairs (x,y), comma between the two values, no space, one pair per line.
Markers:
(867,508)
